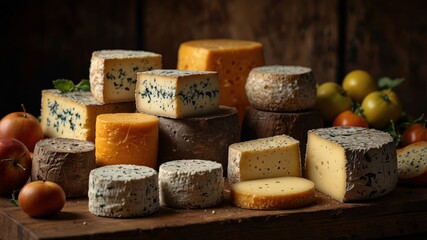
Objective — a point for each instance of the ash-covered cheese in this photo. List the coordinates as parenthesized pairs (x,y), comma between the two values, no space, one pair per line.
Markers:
(112,73)
(123,191)
(191,183)
(281,88)
(73,114)
(66,162)
(177,94)
(351,163)
(276,156)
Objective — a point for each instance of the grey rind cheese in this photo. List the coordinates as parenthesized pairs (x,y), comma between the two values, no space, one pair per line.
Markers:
(351,163)
(204,137)
(281,88)
(66,162)
(191,183)
(123,191)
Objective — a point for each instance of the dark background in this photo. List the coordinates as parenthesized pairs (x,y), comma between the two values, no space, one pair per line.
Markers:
(46,40)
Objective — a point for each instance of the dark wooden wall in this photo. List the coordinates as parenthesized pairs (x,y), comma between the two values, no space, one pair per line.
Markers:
(46,40)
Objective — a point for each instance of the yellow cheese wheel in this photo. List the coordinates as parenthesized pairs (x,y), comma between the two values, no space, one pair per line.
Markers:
(126,138)
(232,59)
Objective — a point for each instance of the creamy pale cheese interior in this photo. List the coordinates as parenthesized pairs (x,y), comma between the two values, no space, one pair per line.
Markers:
(274,186)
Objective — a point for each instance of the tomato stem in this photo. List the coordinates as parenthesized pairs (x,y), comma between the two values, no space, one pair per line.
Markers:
(25,111)
(14,162)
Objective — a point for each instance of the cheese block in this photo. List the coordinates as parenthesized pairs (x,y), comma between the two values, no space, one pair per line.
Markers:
(73,114)
(273,193)
(412,164)
(123,191)
(204,137)
(191,183)
(127,138)
(233,59)
(276,156)
(281,88)
(351,163)
(177,94)
(66,162)
(112,73)
(260,124)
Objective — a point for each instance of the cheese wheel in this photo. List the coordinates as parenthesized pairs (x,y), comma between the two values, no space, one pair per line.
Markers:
(205,137)
(127,138)
(66,162)
(233,60)
(351,163)
(281,88)
(273,193)
(191,183)
(123,191)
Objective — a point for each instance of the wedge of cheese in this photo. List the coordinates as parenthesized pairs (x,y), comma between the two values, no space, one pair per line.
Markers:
(351,163)
(127,138)
(273,193)
(177,94)
(112,73)
(412,164)
(73,114)
(233,60)
(276,156)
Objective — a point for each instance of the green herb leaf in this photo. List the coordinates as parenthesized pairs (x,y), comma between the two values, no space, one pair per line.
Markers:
(63,85)
(388,83)
(83,85)
(14,200)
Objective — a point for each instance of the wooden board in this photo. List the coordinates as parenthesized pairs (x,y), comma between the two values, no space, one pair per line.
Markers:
(401,213)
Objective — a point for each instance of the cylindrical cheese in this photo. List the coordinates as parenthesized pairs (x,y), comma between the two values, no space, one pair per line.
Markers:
(205,137)
(127,138)
(281,88)
(191,183)
(66,162)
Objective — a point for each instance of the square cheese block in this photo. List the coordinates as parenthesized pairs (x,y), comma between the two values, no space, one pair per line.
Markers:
(351,163)
(177,93)
(112,73)
(277,156)
(73,115)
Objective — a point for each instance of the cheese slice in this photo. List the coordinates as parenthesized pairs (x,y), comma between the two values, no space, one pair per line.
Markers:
(351,163)
(123,191)
(233,59)
(177,94)
(276,156)
(412,164)
(281,88)
(66,162)
(273,193)
(112,73)
(191,183)
(73,114)
(127,138)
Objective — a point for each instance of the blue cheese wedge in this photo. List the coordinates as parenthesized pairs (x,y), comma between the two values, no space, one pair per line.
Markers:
(123,191)
(177,93)
(112,73)
(277,156)
(191,183)
(351,163)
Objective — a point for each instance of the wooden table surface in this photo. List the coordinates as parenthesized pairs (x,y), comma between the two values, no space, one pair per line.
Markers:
(401,213)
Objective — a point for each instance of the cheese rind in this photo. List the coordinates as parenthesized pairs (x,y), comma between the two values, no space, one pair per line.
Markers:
(276,156)
(351,163)
(123,191)
(112,73)
(191,183)
(66,162)
(273,193)
(127,138)
(177,94)
(73,115)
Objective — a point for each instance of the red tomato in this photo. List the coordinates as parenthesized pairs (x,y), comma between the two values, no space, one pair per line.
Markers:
(349,118)
(416,132)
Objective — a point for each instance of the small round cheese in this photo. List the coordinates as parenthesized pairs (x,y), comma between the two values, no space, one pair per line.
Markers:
(191,183)
(281,88)
(273,193)
(123,191)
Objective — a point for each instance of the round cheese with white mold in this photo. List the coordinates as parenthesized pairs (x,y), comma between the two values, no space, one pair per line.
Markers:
(191,183)
(123,191)
(281,88)
(66,162)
